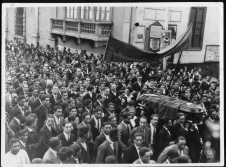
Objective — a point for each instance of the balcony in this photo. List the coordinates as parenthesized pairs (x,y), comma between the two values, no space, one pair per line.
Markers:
(96,31)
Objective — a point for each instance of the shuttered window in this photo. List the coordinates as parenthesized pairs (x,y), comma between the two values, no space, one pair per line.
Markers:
(197,16)
(19,21)
(72,12)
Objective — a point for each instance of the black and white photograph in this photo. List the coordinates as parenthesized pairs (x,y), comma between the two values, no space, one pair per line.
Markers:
(112,83)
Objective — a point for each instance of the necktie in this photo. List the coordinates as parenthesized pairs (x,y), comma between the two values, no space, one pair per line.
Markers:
(144,135)
(154,135)
(98,126)
(68,138)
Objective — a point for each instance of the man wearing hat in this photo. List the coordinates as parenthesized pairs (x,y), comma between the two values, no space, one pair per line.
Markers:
(109,147)
(81,141)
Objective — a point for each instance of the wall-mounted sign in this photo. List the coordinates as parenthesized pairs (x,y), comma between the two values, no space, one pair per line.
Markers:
(165,38)
(212,53)
(140,34)
(155,31)
(154,44)
(155,36)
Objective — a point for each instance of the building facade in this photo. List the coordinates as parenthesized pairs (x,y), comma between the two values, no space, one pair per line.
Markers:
(88,28)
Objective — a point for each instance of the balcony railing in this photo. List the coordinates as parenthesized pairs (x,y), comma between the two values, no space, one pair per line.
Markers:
(97,31)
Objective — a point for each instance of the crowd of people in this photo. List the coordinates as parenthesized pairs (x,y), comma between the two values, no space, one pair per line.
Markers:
(64,108)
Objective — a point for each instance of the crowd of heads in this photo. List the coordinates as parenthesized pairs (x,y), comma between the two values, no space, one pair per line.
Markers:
(80,86)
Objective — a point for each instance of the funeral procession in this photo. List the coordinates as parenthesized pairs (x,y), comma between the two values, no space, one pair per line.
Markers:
(98,83)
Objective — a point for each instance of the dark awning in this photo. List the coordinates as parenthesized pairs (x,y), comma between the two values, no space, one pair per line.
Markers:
(118,51)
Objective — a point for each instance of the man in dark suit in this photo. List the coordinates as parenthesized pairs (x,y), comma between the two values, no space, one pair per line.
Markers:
(143,129)
(37,102)
(58,119)
(164,137)
(205,85)
(154,133)
(46,132)
(110,112)
(15,124)
(20,106)
(77,152)
(113,93)
(101,138)
(96,122)
(73,91)
(50,156)
(23,136)
(179,129)
(67,138)
(59,94)
(63,102)
(81,141)
(132,153)
(180,146)
(107,97)
(138,84)
(33,137)
(124,131)
(99,101)
(42,111)
(90,93)
(109,147)
(53,97)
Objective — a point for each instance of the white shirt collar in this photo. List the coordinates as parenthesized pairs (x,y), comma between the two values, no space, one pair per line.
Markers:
(48,127)
(17,120)
(19,107)
(30,130)
(106,136)
(124,123)
(111,142)
(24,144)
(141,161)
(66,135)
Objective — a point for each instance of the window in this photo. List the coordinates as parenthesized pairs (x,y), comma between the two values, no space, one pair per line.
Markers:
(197,16)
(72,12)
(86,13)
(19,21)
(103,14)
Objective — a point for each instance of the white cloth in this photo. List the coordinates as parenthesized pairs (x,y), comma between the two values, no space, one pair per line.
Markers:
(20,158)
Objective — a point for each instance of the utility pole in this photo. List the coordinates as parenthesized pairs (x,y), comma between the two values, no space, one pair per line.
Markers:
(166,28)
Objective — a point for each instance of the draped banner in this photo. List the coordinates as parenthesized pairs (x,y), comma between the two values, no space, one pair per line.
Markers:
(118,51)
